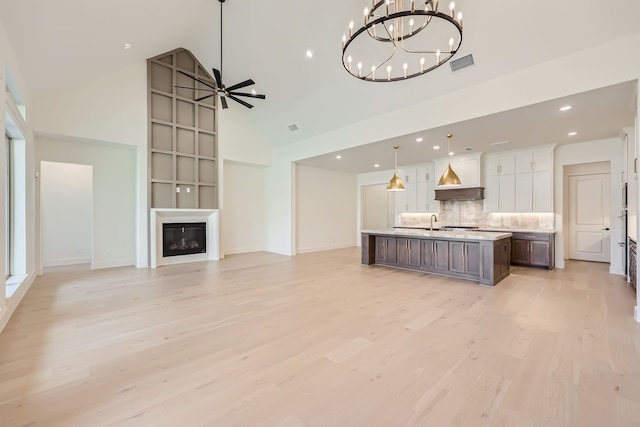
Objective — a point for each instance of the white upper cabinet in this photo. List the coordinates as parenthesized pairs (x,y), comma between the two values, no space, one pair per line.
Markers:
(466,167)
(407,174)
(419,196)
(519,181)
(534,180)
(495,164)
(534,160)
(499,183)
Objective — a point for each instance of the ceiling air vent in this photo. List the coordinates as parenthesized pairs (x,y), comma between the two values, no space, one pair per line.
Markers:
(464,62)
(293,127)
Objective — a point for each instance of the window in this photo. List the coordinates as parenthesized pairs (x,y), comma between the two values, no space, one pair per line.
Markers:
(8,207)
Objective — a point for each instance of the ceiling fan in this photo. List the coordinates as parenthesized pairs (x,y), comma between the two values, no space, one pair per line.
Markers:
(220,89)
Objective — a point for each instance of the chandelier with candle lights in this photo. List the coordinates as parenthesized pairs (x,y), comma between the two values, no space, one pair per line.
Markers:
(401,39)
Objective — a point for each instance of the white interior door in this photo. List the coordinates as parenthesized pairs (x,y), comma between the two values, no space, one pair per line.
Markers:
(375,207)
(590,217)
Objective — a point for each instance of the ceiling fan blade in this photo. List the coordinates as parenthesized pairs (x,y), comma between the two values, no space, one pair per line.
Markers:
(246,104)
(223,100)
(241,85)
(197,79)
(218,76)
(253,95)
(204,97)
(194,88)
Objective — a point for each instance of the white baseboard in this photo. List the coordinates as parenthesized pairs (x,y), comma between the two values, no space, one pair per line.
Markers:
(326,248)
(286,252)
(236,251)
(112,264)
(617,271)
(66,261)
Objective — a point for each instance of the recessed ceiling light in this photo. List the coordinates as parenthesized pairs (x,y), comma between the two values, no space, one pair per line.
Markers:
(419,139)
(127,46)
(436,147)
(451,153)
(338,157)
(308,54)
(376,165)
(500,143)
(574,133)
(566,108)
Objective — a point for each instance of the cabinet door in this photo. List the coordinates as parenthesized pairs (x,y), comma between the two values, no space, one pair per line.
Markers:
(412,191)
(407,174)
(472,258)
(433,205)
(542,160)
(427,255)
(507,164)
(542,192)
(539,253)
(456,257)
(401,204)
(491,165)
(524,161)
(519,251)
(408,252)
(424,173)
(386,249)
(492,193)
(422,197)
(441,259)
(507,201)
(524,192)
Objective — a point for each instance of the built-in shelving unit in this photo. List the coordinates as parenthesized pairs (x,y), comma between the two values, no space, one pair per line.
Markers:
(182,134)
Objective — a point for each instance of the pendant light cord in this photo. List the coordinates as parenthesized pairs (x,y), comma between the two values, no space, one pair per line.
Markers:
(221,39)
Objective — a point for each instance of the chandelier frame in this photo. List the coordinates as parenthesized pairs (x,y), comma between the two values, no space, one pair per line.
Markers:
(398,41)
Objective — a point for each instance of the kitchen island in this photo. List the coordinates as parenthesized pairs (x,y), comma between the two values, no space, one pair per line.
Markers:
(480,256)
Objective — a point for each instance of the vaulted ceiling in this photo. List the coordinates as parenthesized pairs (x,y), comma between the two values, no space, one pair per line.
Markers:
(62,42)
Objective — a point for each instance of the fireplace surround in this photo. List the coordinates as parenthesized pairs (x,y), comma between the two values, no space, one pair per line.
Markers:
(160,217)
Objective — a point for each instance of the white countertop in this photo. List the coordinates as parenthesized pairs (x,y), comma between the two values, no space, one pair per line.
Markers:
(466,235)
(505,230)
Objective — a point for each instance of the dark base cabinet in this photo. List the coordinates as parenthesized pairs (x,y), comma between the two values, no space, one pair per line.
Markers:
(484,261)
(633,259)
(533,249)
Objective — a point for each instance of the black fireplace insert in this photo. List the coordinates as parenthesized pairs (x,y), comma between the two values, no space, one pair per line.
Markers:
(184,238)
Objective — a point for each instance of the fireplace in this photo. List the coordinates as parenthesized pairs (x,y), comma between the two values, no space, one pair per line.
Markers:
(184,238)
(179,217)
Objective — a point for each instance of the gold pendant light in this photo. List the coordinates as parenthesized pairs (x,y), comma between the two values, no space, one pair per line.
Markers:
(396,183)
(449,177)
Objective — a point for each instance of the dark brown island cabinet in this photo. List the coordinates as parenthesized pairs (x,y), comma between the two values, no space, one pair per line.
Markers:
(533,249)
(482,260)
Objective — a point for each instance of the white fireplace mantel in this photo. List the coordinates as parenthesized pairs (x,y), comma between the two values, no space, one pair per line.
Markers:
(162,216)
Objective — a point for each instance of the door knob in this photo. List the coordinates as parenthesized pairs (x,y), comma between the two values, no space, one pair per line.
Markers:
(605,229)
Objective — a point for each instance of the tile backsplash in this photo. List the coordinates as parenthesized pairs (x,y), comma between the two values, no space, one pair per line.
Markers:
(471,213)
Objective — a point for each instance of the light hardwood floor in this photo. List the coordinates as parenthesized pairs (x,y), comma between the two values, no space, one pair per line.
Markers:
(320,340)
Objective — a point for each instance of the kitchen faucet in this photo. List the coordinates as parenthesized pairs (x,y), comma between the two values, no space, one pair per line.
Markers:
(433,216)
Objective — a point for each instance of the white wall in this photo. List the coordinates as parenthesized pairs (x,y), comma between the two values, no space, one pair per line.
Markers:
(66,212)
(114,193)
(326,209)
(111,108)
(588,152)
(242,219)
